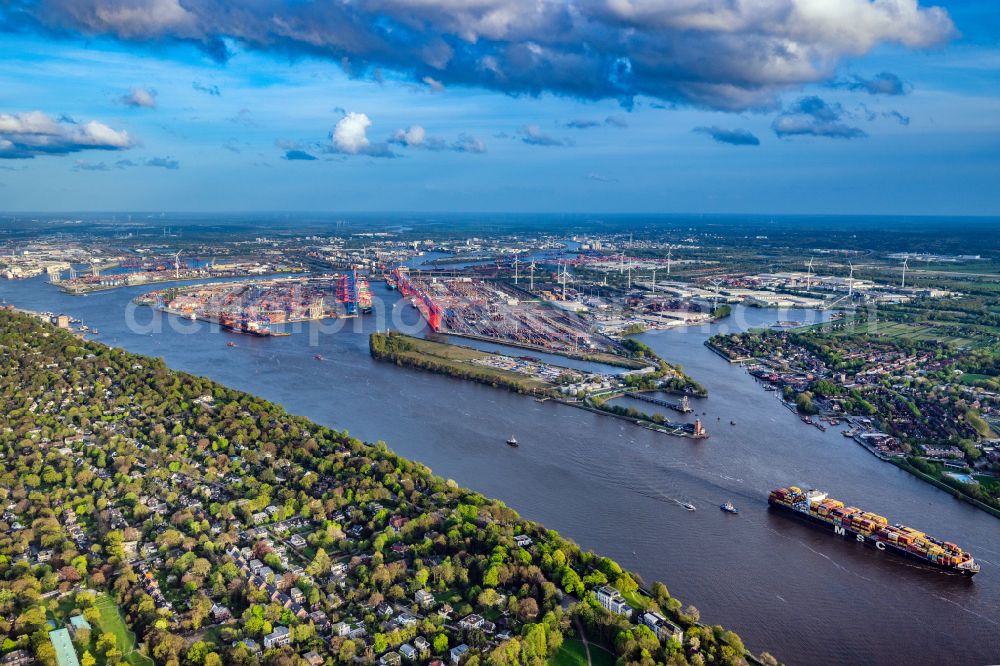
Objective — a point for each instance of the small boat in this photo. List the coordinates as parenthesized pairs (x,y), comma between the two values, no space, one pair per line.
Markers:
(688,506)
(230,344)
(318,357)
(512,442)
(732,423)
(729,508)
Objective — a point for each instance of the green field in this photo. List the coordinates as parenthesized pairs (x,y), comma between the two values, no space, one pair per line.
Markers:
(112,622)
(923,331)
(573,653)
(456,361)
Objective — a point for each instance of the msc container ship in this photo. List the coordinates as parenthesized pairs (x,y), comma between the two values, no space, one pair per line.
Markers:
(873,529)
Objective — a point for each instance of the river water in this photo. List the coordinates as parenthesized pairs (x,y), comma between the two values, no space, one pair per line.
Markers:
(799,592)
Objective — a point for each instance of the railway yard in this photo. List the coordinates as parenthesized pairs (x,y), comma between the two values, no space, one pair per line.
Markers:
(483,309)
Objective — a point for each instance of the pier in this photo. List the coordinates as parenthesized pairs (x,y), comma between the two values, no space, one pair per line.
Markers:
(683,407)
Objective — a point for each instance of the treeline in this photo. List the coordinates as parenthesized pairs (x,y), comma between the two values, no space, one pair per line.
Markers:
(165,434)
(397,348)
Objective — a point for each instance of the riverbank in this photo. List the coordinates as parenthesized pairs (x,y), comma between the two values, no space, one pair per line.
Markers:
(453,361)
(889,424)
(607,483)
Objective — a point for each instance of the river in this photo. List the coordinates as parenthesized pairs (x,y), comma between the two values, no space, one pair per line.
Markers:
(799,592)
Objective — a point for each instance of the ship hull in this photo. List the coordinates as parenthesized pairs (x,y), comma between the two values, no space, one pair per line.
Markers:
(878,544)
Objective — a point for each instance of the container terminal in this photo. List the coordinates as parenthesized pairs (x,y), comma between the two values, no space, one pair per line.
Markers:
(255,307)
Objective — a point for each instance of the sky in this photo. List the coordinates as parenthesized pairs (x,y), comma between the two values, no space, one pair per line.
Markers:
(662,106)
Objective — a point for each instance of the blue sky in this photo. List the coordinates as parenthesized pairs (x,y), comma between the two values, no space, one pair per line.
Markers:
(140,111)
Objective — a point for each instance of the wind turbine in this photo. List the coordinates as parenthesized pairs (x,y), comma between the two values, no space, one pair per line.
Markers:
(654,278)
(809,274)
(531,286)
(715,283)
(669,252)
(177,265)
(850,280)
(564,281)
(906,261)
(515,269)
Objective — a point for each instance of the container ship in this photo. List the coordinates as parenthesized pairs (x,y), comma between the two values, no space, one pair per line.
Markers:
(873,529)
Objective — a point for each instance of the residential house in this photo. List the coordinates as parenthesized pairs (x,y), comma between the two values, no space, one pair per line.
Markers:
(613,600)
(661,626)
(390,659)
(471,622)
(277,638)
(458,652)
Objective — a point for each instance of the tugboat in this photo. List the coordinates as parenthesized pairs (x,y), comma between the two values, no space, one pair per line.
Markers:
(729,508)
(512,442)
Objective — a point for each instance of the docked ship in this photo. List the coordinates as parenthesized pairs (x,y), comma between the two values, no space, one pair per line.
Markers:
(872,529)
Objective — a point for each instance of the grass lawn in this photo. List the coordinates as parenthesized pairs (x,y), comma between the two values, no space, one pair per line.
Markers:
(635,600)
(573,653)
(112,622)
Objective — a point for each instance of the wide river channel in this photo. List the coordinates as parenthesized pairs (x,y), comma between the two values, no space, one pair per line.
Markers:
(802,593)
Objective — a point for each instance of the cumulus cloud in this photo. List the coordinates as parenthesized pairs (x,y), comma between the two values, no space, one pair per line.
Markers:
(434,85)
(163,163)
(416,137)
(734,137)
(812,116)
(897,116)
(350,137)
(298,155)
(84,165)
(468,144)
(159,162)
(28,135)
(586,123)
(583,48)
(208,89)
(140,98)
(885,83)
(533,136)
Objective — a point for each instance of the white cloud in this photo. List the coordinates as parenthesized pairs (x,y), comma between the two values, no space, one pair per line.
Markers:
(350,133)
(27,135)
(140,98)
(415,136)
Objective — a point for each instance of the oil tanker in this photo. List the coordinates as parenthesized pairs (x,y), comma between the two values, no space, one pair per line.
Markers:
(872,529)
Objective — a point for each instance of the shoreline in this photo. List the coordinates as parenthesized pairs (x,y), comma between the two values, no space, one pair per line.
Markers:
(901,462)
